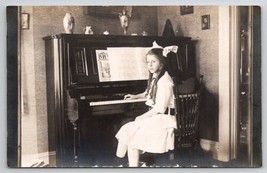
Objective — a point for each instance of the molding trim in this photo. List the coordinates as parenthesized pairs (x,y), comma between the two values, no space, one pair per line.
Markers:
(29,160)
(212,146)
(224,84)
(234,79)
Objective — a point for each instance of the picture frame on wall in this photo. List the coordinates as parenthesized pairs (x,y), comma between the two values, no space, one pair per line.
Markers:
(186,10)
(110,11)
(25,21)
(205,22)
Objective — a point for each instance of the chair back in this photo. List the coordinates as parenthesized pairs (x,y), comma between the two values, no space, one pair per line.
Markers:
(187,113)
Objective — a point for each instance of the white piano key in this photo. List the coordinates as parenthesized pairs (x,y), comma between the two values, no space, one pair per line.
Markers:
(109,102)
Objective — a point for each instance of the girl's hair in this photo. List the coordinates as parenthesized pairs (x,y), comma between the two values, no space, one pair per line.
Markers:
(158,53)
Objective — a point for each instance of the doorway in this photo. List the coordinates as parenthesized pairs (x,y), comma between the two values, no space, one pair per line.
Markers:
(244,150)
(249,140)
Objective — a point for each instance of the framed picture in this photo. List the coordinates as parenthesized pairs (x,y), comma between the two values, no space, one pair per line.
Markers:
(186,10)
(205,22)
(109,11)
(25,23)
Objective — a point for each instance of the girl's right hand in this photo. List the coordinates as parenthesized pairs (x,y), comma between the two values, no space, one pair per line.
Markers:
(129,97)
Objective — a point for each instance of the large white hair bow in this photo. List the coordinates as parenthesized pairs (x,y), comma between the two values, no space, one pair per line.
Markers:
(166,49)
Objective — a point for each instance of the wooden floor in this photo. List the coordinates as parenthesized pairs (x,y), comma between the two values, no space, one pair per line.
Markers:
(98,149)
(99,155)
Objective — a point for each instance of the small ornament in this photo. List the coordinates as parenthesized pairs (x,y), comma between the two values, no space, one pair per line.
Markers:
(88,30)
(106,32)
(68,23)
(144,33)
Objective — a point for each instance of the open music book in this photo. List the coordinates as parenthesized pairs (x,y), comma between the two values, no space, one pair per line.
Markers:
(122,64)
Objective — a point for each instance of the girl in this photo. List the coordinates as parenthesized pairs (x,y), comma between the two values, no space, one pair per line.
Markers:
(153,131)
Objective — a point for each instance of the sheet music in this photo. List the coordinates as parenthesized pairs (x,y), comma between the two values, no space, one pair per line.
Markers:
(103,65)
(122,64)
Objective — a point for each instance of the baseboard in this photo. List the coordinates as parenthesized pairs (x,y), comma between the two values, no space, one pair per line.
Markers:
(210,146)
(35,159)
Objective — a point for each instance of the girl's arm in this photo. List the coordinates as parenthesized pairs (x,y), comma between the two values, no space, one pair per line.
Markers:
(132,96)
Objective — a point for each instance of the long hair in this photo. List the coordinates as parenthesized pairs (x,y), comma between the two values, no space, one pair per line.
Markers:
(158,53)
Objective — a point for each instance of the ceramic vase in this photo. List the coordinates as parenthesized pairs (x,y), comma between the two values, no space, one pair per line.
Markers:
(88,30)
(68,23)
(124,19)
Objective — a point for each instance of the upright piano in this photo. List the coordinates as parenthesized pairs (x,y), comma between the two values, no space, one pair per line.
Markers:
(84,105)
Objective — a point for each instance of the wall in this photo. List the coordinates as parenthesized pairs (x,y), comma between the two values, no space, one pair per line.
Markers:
(44,21)
(29,114)
(48,21)
(206,56)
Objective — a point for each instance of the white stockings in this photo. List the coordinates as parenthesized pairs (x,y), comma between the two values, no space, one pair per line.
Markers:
(121,150)
(133,157)
(133,154)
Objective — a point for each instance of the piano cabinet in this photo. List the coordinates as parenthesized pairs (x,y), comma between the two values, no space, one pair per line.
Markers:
(73,85)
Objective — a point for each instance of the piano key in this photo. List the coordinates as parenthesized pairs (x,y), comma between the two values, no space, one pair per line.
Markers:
(98,103)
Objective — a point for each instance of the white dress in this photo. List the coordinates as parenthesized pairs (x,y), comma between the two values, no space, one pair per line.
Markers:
(153,134)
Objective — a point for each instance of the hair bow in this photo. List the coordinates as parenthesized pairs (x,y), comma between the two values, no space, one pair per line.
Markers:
(166,49)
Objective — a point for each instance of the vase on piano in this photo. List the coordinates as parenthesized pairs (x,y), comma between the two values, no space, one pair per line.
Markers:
(68,23)
(124,19)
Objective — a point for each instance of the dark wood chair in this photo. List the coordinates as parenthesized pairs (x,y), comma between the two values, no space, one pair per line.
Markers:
(187,104)
(187,112)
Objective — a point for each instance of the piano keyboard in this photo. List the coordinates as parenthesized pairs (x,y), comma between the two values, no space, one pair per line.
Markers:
(109,102)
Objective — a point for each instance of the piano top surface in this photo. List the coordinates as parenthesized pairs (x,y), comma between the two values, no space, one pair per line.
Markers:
(118,39)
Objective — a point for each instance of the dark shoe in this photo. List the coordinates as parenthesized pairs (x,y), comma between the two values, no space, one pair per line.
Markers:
(147,159)
(143,164)
(120,162)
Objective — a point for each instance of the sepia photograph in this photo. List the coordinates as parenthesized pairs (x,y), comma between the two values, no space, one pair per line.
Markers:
(134,86)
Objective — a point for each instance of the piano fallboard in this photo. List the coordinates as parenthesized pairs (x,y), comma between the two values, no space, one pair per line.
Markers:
(87,92)
(115,108)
